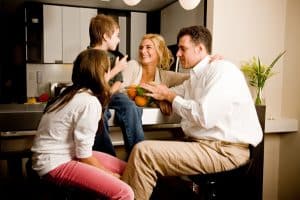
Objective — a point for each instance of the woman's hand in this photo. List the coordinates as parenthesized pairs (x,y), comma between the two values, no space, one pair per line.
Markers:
(216,57)
(165,107)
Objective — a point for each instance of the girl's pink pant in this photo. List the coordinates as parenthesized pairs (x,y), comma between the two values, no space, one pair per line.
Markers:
(77,174)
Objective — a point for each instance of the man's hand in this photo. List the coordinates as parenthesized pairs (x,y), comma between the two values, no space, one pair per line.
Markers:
(158,91)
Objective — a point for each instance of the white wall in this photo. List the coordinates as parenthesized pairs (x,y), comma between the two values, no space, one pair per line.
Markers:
(174,17)
(289,168)
(242,29)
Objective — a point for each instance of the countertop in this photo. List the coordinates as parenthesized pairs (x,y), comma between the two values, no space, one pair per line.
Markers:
(19,117)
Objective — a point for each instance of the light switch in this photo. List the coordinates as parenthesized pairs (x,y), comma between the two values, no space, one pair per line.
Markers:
(39,77)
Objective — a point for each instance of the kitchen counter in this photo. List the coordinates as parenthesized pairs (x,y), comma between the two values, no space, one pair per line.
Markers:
(25,117)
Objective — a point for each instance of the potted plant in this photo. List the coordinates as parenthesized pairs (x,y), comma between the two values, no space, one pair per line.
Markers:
(257,74)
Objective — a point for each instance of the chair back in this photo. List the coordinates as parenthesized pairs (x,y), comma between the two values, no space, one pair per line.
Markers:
(256,165)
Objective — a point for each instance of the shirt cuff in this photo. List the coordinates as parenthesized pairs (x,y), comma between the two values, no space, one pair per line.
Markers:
(177,102)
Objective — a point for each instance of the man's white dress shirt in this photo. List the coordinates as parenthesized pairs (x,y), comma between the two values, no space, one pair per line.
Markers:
(215,103)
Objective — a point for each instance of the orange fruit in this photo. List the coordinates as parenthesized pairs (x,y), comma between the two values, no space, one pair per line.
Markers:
(131,92)
(141,101)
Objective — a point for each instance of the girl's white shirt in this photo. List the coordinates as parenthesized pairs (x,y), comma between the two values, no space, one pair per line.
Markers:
(66,134)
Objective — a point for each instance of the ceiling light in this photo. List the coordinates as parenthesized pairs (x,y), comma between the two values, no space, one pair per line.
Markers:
(131,2)
(189,4)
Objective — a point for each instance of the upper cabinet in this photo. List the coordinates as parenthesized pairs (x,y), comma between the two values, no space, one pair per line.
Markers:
(56,34)
(34,32)
(66,32)
(52,32)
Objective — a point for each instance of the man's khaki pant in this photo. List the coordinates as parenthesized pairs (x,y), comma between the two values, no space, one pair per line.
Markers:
(175,158)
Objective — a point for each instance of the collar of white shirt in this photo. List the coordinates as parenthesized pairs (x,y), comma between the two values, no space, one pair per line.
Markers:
(199,68)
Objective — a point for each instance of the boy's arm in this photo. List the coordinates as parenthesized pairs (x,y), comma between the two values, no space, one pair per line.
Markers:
(115,87)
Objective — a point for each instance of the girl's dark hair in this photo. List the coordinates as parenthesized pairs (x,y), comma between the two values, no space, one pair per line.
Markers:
(88,73)
(198,34)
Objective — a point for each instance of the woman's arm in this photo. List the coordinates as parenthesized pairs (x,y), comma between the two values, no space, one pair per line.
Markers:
(172,79)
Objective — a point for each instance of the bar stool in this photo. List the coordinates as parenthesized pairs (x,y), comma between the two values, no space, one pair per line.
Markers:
(245,182)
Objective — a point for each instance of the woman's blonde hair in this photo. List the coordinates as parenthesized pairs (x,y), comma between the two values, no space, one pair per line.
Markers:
(165,56)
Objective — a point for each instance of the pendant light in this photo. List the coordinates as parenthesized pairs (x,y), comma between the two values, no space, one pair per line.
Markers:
(189,4)
(131,2)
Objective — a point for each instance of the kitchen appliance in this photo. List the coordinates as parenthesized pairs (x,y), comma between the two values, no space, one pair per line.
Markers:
(57,87)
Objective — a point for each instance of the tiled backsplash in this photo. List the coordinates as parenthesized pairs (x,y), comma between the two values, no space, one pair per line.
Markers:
(39,77)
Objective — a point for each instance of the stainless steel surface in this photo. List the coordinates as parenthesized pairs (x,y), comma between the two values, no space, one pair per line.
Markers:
(18,123)
(144,5)
(57,87)
(20,117)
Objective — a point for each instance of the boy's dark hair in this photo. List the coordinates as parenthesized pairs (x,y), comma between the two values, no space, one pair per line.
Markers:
(99,25)
(198,34)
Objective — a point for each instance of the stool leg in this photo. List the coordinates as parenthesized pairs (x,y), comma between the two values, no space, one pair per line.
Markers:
(212,190)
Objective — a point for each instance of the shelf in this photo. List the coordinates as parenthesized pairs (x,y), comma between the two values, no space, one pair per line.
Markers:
(281,125)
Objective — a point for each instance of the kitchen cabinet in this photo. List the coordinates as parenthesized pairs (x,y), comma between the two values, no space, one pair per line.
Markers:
(52,32)
(33,32)
(65,32)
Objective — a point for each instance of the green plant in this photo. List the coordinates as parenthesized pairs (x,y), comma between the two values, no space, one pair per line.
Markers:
(257,74)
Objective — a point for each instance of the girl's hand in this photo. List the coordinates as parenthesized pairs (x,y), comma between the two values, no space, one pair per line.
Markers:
(116,175)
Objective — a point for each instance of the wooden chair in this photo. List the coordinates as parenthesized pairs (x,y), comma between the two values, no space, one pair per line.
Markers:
(245,182)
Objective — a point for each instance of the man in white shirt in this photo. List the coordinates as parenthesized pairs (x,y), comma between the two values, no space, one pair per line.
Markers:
(218,114)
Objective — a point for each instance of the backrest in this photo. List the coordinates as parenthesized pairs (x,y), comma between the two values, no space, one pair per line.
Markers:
(256,166)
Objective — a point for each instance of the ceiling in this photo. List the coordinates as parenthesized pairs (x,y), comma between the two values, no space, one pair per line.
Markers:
(144,5)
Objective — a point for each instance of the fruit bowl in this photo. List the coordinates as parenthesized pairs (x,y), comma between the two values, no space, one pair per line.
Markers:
(137,94)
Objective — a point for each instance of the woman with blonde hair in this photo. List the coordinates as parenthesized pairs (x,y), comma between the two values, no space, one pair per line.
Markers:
(154,61)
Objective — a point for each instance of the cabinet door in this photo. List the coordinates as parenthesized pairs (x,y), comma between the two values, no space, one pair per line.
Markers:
(137,30)
(52,18)
(85,17)
(71,33)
